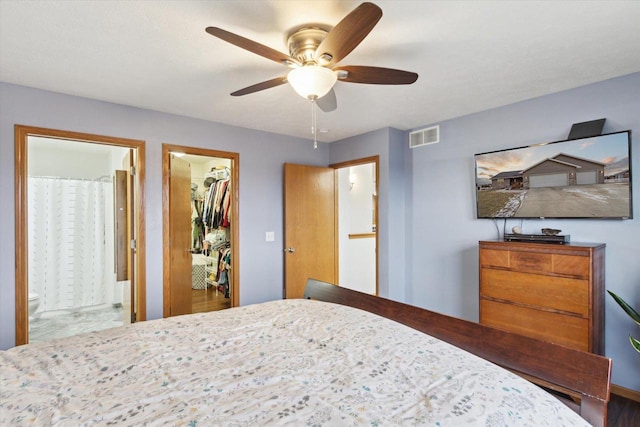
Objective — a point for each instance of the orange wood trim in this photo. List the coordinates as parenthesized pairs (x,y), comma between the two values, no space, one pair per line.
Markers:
(336,222)
(377,224)
(166,255)
(235,215)
(22,252)
(362,235)
(235,230)
(371,159)
(21,134)
(625,392)
(141,241)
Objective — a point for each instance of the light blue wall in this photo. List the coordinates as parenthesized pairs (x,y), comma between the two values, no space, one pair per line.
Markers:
(443,233)
(435,185)
(262,156)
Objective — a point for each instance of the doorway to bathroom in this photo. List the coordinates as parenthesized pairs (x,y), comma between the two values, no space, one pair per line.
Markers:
(77,233)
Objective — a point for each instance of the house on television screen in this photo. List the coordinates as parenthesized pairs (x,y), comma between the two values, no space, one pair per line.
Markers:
(618,176)
(510,180)
(562,170)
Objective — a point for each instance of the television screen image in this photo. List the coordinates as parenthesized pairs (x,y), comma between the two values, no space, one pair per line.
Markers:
(579,178)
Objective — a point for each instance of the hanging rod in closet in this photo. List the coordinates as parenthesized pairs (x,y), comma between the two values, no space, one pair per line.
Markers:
(218,173)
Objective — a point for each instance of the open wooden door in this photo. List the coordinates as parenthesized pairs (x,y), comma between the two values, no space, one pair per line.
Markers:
(129,299)
(123,237)
(310,222)
(180,236)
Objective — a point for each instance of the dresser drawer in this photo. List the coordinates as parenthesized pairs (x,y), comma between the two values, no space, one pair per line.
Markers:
(552,292)
(561,329)
(494,258)
(571,265)
(530,261)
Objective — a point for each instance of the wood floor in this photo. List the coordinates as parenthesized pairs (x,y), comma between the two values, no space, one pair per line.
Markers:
(206,300)
(623,412)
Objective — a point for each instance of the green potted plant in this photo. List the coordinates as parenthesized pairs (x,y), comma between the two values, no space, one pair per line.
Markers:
(633,314)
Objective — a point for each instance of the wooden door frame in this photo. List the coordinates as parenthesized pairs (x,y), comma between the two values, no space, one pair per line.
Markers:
(366,160)
(235,222)
(21,137)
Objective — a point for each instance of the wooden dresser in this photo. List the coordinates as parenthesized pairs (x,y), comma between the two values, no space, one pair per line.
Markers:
(553,292)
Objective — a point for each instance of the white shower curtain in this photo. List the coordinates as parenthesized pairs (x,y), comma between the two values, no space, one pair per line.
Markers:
(67,265)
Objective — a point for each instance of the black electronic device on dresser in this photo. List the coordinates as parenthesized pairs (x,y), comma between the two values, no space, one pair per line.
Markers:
(540,238)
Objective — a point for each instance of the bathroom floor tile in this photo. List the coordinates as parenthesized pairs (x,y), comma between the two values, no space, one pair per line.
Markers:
(66,323)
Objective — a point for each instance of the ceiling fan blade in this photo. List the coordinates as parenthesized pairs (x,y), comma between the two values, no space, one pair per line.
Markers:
(348,34)
(251,46)
(375,75)
(260,86)
(328,102)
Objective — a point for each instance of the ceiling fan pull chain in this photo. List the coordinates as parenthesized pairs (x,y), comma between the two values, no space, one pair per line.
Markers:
(314,129)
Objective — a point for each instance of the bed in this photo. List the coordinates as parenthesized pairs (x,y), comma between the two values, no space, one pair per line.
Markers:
(333,358)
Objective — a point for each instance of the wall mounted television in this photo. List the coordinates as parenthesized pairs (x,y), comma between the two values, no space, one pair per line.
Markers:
(578,178)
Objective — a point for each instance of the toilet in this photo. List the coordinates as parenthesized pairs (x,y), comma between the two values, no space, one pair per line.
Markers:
(34,303)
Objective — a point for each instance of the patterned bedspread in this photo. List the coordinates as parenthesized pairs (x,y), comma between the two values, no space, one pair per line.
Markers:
(291,362)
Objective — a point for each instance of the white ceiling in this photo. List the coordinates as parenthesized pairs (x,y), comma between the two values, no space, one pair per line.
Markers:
(470,56)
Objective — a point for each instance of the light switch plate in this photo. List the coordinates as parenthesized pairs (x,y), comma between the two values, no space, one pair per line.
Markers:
(270,236)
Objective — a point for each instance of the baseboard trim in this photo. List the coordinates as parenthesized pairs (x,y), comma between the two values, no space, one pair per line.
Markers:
(625,392)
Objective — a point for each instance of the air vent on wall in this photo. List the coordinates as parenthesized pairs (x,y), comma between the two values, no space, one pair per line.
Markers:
(425,136)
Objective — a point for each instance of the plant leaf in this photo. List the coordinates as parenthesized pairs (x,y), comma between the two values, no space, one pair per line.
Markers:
(635,343)
(627,308)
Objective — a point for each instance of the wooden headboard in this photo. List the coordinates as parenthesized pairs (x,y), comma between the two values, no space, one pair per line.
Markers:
(583,378)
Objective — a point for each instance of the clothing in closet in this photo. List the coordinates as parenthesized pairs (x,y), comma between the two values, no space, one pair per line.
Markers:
(197,225)
(215,217)
(216,207)
(221,270)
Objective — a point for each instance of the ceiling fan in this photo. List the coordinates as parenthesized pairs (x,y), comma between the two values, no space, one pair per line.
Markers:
(314,51)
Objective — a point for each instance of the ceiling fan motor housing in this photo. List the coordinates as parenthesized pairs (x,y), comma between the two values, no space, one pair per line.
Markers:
(303,42)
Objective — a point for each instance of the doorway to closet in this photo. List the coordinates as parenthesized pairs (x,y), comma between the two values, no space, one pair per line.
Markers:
(78,204)
(200,209)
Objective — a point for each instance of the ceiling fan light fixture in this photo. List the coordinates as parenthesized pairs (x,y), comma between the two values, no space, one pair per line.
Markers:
(312,81)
